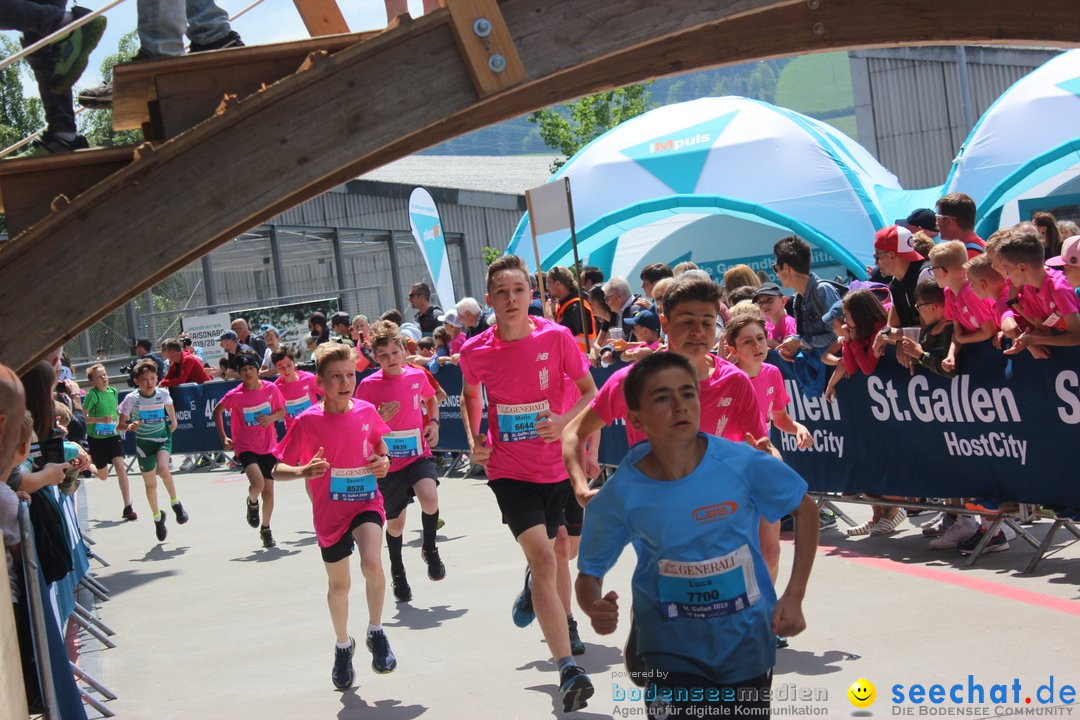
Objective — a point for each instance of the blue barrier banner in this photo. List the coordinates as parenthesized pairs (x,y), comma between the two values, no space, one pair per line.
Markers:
(1002,429)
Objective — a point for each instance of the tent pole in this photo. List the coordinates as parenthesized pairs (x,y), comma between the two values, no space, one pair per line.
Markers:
(536,253)
(585,326)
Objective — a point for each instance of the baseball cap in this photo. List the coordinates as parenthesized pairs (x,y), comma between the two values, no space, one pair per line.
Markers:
(921,219)
(896,239)
(836,312)
(1070,253)
(229,335)
(645,318)
(768,288)
(451,318)
(245,359)
(879,289)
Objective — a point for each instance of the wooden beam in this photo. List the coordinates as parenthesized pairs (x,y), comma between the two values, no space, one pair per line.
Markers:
(322,17)
(486,45)
(405,90)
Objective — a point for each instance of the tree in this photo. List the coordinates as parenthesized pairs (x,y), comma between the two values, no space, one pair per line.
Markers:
(587,118)
(96,125)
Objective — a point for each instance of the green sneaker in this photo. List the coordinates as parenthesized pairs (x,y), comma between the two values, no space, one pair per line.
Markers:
(49,144)
(74,50)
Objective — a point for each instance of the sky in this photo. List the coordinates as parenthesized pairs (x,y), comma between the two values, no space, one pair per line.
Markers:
(270,22)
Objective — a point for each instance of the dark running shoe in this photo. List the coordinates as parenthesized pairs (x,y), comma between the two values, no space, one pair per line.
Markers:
(826,520)
(998,543)
(129,513)
(253,513)
(230,40)
(781,642)
(382,658)
(523,611)
(576,688)
(343,674)
(181,514)
(402,591)
(267,538)
(74,51)
(576,646)
(435,568)
(159,526)
(49,144)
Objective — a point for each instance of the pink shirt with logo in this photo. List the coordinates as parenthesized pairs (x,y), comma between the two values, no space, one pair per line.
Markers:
(299,395)
(771,394)
(1048,304)
(522,378)
(347,489)
(967,309)
(729,405)
(785,329)
(406,440)
(244,407)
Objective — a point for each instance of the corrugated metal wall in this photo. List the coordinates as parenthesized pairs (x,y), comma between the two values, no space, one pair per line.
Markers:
(909,103)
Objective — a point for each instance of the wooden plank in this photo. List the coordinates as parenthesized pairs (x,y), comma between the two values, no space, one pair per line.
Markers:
(135,83)
(405,90)
(322,17)
(28,186)
(486,45)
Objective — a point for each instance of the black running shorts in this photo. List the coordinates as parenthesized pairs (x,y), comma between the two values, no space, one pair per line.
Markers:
(103,450)
(265,462)
(527,504)
(397,487)
(344,546)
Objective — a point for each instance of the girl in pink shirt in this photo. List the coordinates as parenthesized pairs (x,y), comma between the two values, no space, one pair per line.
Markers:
(401,393)
(337,447)
(298,387)
(254,406)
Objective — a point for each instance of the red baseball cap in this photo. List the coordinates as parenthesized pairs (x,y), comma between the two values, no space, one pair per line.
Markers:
(896,239)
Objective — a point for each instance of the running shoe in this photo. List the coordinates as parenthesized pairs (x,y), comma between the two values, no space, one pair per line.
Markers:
(826,519)
(202,461)
(181,514)
(781,642)
(343,674)
(229,40)
(74,51)
(382,658)
(253,513)
(129,513)
(159,526)
(523,611)
(961,529)
(441,524)
(187,465)
(267,538)
(576,646)
(576,688)
(402,591)
(435,568)
(998,543)
(49,144)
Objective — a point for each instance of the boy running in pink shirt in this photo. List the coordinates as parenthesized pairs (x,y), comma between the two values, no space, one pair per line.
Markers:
(337,447)
(971,316)
(299,388)
(400,392)
(254,406)
(525,363)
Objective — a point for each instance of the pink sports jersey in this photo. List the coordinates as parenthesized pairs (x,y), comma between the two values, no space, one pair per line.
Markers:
(771,394)
(967,309)
(244,407)
(299,395)
(729,405)
(784,330)
(347,489)
(1049,303)
(457,343)
(406,440)
(1001,305)
(524,377)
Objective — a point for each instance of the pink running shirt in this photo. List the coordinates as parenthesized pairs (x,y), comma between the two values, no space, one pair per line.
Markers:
(347,489)
(299,395)
(967,309)
(779,332)
(523,378)
(1049,303)
(406,440)
(771,393)
(243,407)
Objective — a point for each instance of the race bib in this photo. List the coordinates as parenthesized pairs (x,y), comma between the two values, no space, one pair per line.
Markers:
(352,485)
(297,405)
(708,588)
(153,414)
(1052,320)
(518,422)
(108,428)
(403,443)
(251,414)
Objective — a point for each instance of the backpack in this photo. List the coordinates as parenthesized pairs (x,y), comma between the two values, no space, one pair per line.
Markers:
(841,291)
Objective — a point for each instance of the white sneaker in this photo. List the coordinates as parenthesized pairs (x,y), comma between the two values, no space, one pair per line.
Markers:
(938,525)
(187,465)
(962,528)
(887,526)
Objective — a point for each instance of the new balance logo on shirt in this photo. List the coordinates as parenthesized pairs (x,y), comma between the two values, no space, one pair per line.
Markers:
(541,357)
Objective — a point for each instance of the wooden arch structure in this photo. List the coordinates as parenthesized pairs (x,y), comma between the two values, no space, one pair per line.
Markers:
(405,89)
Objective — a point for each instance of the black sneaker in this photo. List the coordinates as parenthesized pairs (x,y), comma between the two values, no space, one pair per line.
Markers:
(129,513)
(49,144)
(382,658)
(635,668)
(159,526)
(230,40)
(253,513)
(576,646)
(343,674)
(781,642)
(998,543)
(435,568)
(402,591)
(181,514)
(576,688)
(267,538)
(523,612)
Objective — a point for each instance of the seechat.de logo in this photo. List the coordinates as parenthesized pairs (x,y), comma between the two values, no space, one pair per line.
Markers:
(712,513)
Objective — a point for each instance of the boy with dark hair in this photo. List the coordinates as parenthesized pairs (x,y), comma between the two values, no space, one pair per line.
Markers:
(705,610)
(1045,301)
(652,274)
(935,333)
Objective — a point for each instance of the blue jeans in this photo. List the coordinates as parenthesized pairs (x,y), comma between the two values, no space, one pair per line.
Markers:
(36,20)
(163,23)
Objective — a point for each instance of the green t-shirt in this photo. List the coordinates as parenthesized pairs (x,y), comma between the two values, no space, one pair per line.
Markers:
(101,404)
(150,412)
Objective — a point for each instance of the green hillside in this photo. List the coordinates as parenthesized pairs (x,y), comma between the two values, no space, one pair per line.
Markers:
(820,86)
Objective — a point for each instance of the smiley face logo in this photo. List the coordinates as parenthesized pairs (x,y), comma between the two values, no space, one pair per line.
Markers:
(862,693)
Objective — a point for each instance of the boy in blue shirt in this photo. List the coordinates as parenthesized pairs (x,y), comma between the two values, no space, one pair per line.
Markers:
(705,609)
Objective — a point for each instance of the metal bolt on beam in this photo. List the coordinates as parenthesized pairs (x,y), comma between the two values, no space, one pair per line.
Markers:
(497,63)
(482,27)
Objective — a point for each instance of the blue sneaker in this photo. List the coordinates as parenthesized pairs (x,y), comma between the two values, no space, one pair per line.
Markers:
(343,674)
(382,658)
(524,613)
